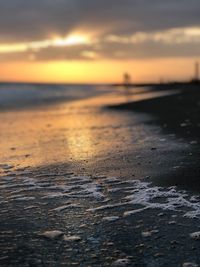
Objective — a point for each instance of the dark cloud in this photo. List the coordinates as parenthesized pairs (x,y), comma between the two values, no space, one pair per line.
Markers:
(27,21)
(149,50)
(24,20)
(114,51)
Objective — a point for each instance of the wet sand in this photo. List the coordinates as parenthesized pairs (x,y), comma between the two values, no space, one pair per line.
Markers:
(76,188)
(177,115)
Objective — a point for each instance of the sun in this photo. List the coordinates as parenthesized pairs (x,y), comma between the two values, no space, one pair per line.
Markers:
(71,40)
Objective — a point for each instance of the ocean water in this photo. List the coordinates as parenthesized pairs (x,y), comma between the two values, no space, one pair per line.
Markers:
(14,96)
(20,95)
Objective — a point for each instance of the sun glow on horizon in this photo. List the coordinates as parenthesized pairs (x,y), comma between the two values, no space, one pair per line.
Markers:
(86,56)
(102,71)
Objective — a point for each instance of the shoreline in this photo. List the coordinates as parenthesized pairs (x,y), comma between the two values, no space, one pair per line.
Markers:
(171,111)
(94,200)
(177,115)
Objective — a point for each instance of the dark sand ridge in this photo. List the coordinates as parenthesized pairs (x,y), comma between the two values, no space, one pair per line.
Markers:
(178,115)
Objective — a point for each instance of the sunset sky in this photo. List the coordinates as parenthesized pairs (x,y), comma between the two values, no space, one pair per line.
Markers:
(91,41)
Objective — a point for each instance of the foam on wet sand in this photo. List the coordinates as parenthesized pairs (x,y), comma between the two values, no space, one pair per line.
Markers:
(132,193)
(98,202)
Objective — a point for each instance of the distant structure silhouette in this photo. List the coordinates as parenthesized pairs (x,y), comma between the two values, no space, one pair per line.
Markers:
(126,79)
(127,85)
(196,77)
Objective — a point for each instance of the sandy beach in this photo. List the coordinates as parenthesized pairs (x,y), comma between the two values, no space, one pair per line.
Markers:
(176,115)
(99,181)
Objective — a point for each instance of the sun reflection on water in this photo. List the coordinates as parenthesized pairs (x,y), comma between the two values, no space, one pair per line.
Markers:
(48,136)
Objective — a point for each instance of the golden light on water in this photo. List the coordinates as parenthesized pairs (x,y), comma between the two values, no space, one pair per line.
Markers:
(66,136)
(80,144)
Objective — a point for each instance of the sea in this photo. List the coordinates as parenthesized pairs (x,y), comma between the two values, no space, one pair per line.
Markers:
(16,95)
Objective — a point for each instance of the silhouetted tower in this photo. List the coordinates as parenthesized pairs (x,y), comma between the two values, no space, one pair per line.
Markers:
(196,77)
(127,79)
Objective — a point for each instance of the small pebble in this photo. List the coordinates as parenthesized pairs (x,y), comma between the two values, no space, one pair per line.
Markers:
(157,255)
(6,166)
(183,124)
(121,263)
(72,238)
(110,244)
(189,264)
(146,234)
(174,242)
(172,222)
(110,219)
(83,226)
(193,142)
(155,231)
(195,235)
(52,234)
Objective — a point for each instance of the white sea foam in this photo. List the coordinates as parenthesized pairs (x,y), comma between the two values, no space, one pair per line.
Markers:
(111,179)
(114,190)
(94,190)
(15,196)
(106,207)
(8,178)
(131,212)
(154,197)
(25,198)
(29,181)
(111,218)
(101,189)
(56,195)
(30,207)
(68,206)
